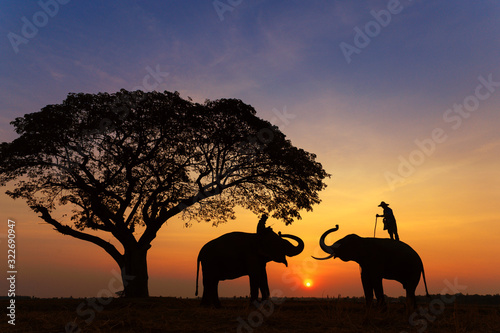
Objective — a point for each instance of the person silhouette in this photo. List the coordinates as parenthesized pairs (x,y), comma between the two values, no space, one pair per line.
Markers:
(389,221)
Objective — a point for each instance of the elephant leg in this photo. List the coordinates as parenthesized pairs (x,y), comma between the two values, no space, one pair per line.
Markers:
(411,301)
(216,300)
(264,286)
(367,288)
(205,299)
(379,294)
(254,286)
(210,292)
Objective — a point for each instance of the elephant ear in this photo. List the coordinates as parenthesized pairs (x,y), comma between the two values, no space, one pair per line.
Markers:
(270,246)
(350,248)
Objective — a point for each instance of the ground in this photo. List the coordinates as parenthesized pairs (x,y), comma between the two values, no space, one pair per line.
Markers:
(164,314)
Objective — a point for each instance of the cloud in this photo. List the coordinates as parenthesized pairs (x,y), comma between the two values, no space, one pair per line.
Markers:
(99,75)
(488,147)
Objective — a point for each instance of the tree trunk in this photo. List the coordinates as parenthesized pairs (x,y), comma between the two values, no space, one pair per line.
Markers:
(135,273)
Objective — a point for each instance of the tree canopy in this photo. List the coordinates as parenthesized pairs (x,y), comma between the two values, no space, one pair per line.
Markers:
(133,159)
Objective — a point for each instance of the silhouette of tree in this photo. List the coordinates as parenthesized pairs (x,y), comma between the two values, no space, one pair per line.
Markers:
(134,160)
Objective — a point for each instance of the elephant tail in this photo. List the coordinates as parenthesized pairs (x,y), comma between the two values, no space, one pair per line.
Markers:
(197,273)
(425,282)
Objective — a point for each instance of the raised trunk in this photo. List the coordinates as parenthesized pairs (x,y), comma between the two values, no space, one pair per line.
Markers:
(324,247)
(135,273)
(291,250)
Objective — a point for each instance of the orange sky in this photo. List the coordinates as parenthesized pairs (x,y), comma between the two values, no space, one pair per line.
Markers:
(455,233)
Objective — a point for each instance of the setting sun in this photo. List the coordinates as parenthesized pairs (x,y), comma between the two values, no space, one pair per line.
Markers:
(308,283)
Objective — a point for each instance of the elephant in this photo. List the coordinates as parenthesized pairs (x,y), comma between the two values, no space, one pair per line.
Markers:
(379,259)
(236,254)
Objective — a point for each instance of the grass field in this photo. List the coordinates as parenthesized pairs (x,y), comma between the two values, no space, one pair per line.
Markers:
(160,314)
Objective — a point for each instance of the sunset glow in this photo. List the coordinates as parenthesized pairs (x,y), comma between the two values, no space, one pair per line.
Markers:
(408,115)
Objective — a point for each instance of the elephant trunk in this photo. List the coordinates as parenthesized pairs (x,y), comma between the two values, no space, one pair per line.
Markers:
(327,248)
(291,250)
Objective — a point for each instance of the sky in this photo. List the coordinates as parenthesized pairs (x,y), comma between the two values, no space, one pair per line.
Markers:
(399,101)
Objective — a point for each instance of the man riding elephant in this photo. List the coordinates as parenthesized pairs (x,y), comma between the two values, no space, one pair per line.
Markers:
(389,221)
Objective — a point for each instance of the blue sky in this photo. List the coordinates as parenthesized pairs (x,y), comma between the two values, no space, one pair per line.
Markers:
(264,48)
(284,57)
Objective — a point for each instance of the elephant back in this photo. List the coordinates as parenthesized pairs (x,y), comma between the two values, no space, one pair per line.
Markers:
(228,244)
(396,253)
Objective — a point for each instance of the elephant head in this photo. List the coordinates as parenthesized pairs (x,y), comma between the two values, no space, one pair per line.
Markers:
(273,246)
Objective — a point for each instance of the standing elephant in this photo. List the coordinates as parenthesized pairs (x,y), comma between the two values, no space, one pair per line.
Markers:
(379,259)
(237,254)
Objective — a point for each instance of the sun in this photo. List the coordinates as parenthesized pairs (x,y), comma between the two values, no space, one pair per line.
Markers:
(308,283)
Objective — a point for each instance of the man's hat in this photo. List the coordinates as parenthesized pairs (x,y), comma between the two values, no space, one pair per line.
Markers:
(383,204)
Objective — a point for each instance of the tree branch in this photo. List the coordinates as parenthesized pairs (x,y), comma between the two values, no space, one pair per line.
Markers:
(67,230)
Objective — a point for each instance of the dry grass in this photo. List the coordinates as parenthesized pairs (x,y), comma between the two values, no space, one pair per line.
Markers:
(184,315)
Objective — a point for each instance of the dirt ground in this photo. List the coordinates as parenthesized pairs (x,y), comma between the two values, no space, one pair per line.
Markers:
(160,314)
